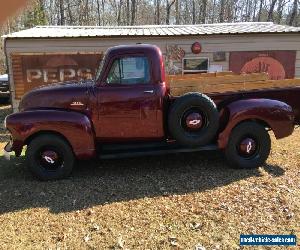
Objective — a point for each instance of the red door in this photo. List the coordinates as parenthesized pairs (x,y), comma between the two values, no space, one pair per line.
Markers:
(129,104)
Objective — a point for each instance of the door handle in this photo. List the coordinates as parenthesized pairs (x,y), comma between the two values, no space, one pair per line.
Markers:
(149,91)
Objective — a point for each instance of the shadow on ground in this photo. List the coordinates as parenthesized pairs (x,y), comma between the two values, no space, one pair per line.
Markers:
(102,182)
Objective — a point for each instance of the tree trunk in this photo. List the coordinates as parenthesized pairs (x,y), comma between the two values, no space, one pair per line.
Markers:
(119,9)
(213,11)
(177,12)
(103,10)
(194,12)
(294,13)
(248,10)
(98,13)
(168,10)
(186,12)
(222,11)
(270,14)
(70,13)
(127,12)
(280,11)
(203,11)
(254,10)
(260,10)
(133,10)
(86,13)
(157,12)
(61,12)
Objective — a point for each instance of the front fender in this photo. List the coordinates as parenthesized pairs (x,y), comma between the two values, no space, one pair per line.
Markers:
(75,127)
(277,115)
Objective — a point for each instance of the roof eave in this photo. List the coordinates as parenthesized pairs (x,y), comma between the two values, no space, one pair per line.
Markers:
(8,37)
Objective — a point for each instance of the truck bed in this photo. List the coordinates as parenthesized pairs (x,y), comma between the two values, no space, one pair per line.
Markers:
(225,87)
(225,82)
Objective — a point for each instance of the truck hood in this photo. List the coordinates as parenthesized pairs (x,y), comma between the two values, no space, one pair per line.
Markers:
(68,95)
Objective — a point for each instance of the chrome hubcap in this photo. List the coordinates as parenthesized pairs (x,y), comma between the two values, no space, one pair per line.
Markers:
(50,159)
(247,147)
(194,121)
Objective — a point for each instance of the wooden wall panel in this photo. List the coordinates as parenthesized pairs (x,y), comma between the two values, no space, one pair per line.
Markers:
(17,76)
(279,64)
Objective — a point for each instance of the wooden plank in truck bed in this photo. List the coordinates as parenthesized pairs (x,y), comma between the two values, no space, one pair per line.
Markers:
(223,79)
(188,76)
(233,87)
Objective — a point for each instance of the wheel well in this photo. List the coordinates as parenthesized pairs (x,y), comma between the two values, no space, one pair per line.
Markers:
(259,121)
(46,132)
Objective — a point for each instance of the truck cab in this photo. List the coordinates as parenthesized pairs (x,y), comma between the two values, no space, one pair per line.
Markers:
(130,94)
(127,110)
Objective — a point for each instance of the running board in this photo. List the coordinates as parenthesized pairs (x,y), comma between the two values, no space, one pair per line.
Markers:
(116,151)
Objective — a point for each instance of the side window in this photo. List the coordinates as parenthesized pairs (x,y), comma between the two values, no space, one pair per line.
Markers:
(129,70)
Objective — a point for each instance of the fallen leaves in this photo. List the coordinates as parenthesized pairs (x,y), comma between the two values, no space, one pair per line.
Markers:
(120,242)
(173,241)
(195,225)
(87,238)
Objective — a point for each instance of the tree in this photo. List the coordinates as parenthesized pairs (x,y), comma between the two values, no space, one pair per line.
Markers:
(133,11)
(35,16)
(98,12)
(177,3)
(260,10)
(168,10)
(270,15)
(203,11)
(127,12)
(61,20)
(294,13)
(222,6)
(157,12)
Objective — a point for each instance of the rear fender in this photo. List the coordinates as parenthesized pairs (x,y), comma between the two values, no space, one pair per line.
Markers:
(75,127)
(275,114)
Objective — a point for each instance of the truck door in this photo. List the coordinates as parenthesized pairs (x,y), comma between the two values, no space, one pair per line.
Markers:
(129,103)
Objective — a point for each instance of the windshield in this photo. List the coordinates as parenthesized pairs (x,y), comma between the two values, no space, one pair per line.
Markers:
(98,73)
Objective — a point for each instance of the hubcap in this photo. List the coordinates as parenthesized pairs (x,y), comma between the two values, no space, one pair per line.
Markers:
(50,156)
(194,121)
(247,147)
(50,159)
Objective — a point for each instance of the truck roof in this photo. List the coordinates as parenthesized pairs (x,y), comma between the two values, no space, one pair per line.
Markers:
(134,48)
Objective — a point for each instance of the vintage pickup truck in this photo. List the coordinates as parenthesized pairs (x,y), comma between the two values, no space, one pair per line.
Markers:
(128,111)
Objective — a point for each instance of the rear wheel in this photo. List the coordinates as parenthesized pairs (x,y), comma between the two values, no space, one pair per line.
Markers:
(249,145)
(49,157)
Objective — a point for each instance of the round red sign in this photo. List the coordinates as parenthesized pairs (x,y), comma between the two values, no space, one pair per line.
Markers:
(196,48)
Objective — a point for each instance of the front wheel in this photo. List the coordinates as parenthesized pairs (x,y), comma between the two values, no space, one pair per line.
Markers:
(49,157)
(249,146)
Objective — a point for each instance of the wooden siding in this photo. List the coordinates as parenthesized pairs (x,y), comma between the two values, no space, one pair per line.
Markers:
(17,76)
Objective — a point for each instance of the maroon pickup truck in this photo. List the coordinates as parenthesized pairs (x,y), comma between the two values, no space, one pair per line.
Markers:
(128,111)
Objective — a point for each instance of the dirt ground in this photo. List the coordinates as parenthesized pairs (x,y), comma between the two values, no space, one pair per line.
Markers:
(169,202)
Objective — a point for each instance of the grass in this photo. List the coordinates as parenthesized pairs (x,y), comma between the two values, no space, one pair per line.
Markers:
(168,202)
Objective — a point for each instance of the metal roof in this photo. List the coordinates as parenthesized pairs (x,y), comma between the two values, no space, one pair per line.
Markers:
(153,30)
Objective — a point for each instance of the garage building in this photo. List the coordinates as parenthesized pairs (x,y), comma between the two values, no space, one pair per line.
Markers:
(48,54)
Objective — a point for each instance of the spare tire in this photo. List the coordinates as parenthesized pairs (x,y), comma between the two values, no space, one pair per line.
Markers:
(193,119)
